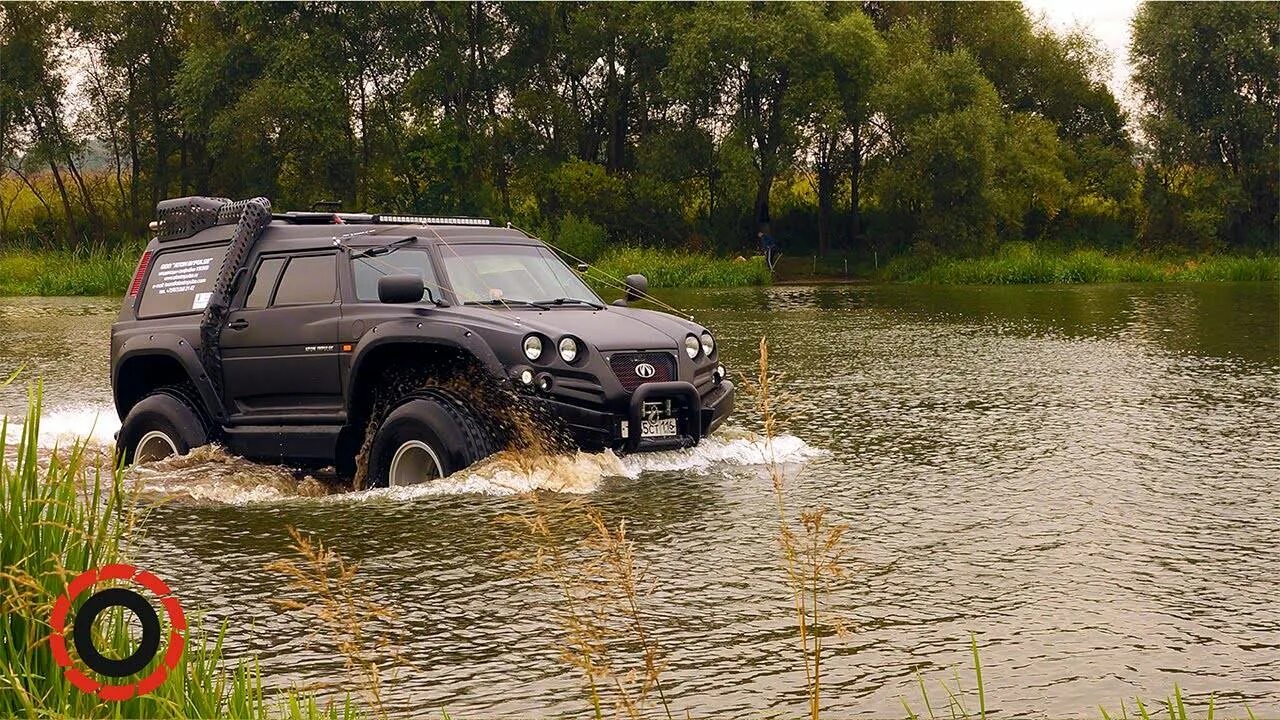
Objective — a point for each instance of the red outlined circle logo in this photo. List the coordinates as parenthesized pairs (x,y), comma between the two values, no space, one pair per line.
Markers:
(100,601)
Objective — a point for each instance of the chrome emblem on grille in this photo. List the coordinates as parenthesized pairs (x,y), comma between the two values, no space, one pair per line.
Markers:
(645,370)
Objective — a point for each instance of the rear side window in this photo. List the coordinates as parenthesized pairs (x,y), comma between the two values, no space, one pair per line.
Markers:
(181,281)
(264,281)
(307,281)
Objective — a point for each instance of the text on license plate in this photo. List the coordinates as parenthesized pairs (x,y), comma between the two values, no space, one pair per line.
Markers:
(665,427)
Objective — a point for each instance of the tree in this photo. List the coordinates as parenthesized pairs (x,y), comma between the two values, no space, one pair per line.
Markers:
(1210,80)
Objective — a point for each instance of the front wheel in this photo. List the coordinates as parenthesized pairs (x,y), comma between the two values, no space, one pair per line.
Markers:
(161,425)
(425,439)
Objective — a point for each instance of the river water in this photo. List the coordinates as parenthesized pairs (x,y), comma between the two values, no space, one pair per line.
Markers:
(1087,479)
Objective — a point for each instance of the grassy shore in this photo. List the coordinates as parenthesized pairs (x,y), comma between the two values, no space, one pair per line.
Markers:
(673,268)
(1021,263)
(95,271)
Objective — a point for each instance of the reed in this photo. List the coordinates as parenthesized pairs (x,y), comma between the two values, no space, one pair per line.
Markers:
(60,514)
(91,271)
(600,584)
(325,586)
(813,549)
(674,268)
(1023,263)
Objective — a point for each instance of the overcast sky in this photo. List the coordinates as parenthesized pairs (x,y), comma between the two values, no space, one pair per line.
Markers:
(1107,20)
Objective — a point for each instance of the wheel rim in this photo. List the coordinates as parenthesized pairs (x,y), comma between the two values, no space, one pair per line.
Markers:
(414,462)
(153,446)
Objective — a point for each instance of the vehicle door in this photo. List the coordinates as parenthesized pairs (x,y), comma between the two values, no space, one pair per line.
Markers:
(279,348)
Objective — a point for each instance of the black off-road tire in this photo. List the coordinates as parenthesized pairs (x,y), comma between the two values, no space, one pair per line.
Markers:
(169,412)
(455,436)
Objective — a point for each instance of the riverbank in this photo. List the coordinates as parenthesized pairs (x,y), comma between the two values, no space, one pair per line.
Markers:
(1023,264)
(107,272)
(96,271)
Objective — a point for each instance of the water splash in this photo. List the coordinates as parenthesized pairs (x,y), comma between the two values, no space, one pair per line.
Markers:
(212,475)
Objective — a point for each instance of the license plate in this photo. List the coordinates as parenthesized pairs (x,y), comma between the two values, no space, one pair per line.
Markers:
(665,427)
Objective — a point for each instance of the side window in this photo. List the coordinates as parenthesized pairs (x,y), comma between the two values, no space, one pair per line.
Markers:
(307,280)
(264,281)
(181,281)
(368,270)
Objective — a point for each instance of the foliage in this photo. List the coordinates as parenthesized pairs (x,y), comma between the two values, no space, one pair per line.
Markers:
(65,513)
(921,127)
(670,268)
(1020,263)
(1210,78)
(92,271)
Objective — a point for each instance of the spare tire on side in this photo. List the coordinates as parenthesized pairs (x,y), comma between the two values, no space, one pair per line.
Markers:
(430,435)
(162,424)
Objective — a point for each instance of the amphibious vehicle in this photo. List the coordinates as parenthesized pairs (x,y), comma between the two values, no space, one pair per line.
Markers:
(288,337)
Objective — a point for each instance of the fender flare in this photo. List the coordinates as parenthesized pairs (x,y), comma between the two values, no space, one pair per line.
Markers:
(423,332)
(177,348)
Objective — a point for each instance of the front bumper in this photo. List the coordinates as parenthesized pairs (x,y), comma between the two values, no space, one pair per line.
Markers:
(697,416)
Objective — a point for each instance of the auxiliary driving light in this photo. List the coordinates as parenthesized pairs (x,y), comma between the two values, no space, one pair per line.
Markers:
(526,377)
(532,347)
(568,349)
(708,343)
(544,382)
(718,374)
(691,346)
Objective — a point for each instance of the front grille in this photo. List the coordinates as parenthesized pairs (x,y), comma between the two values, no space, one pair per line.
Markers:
(624,366)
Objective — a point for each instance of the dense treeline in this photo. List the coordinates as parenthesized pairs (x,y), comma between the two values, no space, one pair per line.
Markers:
(842,127)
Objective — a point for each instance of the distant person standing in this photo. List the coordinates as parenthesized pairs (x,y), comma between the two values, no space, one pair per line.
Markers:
(770,247)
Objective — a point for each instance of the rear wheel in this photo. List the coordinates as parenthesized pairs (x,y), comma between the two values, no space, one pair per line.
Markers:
(426,438)
(162,424)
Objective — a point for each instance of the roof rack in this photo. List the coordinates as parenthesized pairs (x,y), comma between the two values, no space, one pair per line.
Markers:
(183,217)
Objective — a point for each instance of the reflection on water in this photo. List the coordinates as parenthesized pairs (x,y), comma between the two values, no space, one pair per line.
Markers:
(1085,477)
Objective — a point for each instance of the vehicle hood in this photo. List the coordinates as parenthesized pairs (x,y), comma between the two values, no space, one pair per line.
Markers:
(613,328)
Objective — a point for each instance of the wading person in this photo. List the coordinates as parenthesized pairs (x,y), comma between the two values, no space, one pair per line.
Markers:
(770,247)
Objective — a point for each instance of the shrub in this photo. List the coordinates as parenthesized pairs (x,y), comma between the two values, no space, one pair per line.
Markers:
(667,268)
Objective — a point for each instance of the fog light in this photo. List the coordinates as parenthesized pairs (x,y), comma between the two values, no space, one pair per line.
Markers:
(544,382)
(718,374)
(526,377)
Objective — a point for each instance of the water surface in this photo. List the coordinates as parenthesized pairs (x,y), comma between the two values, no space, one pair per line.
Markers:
(1086,478)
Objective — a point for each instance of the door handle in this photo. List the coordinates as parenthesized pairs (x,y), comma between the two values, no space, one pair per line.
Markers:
(238,324)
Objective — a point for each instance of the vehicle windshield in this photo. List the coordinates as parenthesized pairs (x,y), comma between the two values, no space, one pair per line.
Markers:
(511,273)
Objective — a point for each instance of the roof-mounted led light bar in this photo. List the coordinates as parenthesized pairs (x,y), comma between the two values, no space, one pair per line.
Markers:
(429,220)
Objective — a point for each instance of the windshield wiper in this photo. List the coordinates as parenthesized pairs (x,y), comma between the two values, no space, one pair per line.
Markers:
(573,301)
(387,249)
(504,301)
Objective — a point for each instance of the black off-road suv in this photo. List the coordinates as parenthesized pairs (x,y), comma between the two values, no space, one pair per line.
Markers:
(314,338)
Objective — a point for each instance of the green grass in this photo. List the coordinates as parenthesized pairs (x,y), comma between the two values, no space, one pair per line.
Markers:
(672,268)
(1022,263)
(58,272)
(60,516)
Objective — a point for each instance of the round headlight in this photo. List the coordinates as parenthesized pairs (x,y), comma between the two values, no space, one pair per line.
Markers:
(568,349)
(533,347)
(708,343)
(691,346)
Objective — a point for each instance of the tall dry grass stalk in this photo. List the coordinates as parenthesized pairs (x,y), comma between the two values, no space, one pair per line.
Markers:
(364,632)
(812,547)
(602,587)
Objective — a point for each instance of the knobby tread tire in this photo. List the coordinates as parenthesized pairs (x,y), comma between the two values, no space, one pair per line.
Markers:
(480,440)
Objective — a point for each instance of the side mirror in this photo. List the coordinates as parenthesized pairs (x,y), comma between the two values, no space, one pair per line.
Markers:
(583,267)
(400,289)
(637,286)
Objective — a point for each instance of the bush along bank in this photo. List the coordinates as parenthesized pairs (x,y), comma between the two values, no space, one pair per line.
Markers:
(96,271)
(1021,263)
(671,268)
